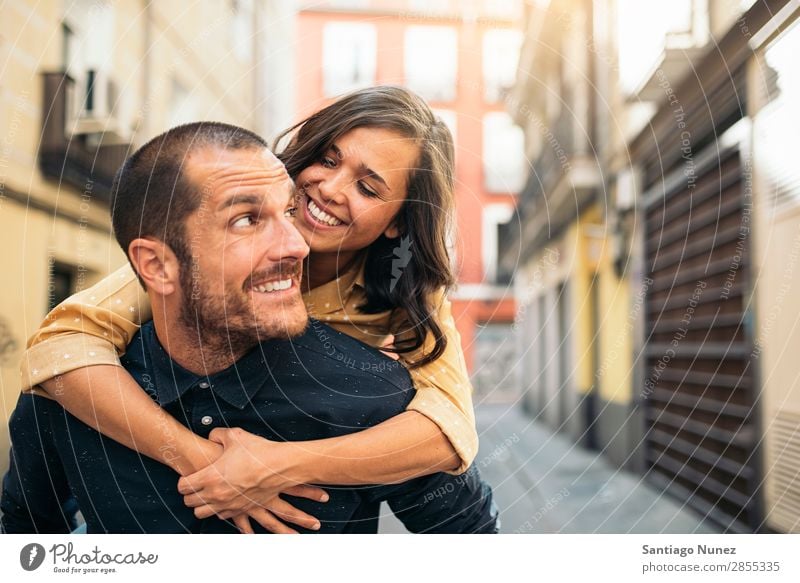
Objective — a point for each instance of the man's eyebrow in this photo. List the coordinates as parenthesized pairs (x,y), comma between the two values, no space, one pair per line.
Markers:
(362,168)
(241,199)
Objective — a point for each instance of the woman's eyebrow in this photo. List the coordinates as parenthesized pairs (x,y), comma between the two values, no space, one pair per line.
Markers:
(362,168)
(372,174)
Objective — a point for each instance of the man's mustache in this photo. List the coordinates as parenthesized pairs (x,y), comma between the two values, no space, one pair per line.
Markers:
(283,270)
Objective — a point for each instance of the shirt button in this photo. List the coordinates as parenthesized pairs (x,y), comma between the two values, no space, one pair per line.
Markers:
(206,420)
(203,385)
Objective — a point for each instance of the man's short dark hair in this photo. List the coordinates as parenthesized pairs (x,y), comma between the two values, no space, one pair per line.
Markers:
(151,196)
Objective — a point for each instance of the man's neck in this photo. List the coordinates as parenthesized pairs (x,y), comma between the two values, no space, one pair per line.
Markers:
(192,350)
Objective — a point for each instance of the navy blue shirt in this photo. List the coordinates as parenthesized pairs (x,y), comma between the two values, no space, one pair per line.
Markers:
(318,385)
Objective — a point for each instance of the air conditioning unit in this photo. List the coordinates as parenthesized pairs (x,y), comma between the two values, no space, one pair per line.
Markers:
(100,111)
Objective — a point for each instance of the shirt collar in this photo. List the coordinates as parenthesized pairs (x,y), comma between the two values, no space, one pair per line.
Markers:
(236,385)
(333,296)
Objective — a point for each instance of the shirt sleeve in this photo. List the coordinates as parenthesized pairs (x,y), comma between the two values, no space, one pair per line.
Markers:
(444,391)
(35,489)
(89,328)
(443,504)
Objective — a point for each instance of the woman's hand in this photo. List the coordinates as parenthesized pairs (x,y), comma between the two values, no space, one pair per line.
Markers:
(247,479)
(278,508)
(388,342)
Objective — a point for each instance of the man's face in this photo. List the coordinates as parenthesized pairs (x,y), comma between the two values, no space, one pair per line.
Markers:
(242,285)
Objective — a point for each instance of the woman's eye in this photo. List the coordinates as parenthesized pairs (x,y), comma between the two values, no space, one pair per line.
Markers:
(365,190)
(245,221)
(291,212)
(328,162)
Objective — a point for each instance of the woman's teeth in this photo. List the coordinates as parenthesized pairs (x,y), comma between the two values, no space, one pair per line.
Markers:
(273,286)
(321,215)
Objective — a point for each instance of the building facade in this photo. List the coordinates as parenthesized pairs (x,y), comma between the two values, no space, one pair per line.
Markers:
(460,57)
(658,318)
(85,83)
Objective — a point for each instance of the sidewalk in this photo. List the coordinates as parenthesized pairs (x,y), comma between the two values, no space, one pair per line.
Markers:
(544,483)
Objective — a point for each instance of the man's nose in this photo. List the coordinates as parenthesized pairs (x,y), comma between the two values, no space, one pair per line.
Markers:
(288,243)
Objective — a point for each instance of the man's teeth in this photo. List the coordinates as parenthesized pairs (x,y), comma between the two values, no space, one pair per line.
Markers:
(321,215)
(274,286)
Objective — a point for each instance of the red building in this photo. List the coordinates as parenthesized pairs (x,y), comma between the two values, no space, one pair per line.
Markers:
(460,56)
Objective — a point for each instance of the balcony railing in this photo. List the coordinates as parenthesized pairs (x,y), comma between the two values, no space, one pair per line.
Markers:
(82,161)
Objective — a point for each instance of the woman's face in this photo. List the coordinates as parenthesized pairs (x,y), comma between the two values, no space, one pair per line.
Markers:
(354,192)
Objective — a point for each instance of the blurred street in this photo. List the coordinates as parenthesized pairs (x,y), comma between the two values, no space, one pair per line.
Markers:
(545,483)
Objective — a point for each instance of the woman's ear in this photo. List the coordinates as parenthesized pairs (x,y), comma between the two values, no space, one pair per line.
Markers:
(156,264)
(392,231)
(396,228)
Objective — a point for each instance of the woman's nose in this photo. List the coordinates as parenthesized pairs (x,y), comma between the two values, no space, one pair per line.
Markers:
(332,188)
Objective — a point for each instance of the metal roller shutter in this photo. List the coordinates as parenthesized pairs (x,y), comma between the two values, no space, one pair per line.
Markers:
(698,395)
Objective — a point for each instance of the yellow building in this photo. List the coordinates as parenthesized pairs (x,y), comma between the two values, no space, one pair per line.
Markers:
(83,83)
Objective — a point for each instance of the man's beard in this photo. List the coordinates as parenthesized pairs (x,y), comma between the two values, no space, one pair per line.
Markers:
(228,323)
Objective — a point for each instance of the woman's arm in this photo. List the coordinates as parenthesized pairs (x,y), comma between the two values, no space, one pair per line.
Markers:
(89,328)
(444,391)
(436,434)
(252,469)
(73,357)
(108,399)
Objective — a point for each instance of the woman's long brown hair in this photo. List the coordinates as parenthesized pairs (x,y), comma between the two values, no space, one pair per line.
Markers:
(405,272)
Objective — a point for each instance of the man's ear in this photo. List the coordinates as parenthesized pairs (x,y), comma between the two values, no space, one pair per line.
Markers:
(157,265)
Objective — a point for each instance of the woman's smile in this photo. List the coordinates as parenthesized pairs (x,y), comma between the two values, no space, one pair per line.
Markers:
(315,214)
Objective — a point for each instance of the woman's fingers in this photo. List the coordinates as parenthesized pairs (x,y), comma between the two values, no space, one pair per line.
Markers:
(289,513)
(310,492)
(195,482)
(266,519)
(388,342)
(204,512)
(242,522)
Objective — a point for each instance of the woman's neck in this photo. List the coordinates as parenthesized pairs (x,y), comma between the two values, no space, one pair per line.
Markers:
(322,268)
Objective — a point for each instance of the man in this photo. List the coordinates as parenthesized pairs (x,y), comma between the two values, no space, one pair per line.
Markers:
(215,356)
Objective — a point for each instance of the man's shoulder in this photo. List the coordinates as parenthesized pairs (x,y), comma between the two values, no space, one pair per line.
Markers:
(336,350)
(136,357)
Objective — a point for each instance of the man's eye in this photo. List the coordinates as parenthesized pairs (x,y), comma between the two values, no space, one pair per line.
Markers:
(245,221)
(290,212)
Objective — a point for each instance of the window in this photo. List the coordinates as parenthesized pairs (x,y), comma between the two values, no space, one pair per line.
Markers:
(348,57)
(241,29)
(502,9)
(182,105)
(448,116)
(431,61)
(500,57)
(775,127)
(495,358)
(504,166)
(494,215)
(89,41)
(62,284)
(430,6)
(69,48)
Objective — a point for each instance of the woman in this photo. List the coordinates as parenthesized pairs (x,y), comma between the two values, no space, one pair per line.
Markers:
(375,186)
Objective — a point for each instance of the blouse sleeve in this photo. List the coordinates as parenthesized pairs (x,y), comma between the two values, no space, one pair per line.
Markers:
(444,391)
(89,328)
